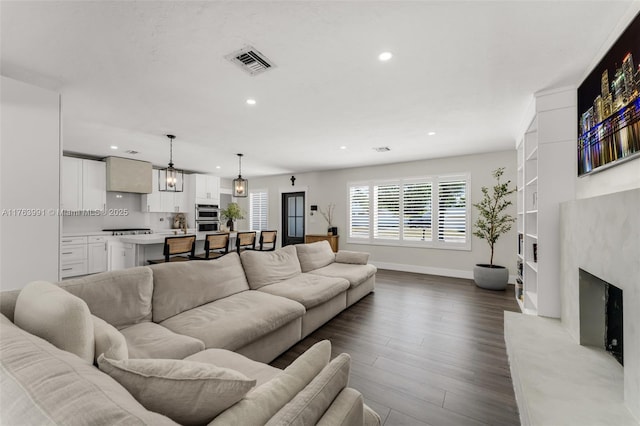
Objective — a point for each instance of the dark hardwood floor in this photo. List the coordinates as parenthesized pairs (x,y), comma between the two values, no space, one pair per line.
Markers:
(426,350)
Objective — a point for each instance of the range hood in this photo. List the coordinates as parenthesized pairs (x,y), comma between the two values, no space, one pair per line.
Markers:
(126,175)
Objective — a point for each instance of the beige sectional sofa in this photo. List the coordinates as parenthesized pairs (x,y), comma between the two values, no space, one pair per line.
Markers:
(221,320)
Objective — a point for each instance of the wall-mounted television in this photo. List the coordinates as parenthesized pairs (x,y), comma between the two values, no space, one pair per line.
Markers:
(609,106)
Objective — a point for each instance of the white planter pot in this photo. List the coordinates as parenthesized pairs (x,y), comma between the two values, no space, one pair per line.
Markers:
(491,277)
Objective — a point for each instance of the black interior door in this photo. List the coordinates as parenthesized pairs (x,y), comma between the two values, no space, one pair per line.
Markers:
(292,218)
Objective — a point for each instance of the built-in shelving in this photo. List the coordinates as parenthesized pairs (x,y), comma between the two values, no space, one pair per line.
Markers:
(546,164)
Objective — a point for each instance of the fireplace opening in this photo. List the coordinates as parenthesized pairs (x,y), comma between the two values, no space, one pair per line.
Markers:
(601,315)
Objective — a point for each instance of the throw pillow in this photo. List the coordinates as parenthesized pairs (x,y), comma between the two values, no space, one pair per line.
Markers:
(109,341)
(57,316)
(188,392)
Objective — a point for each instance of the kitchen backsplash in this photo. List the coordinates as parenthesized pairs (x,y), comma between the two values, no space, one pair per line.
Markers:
(123,211)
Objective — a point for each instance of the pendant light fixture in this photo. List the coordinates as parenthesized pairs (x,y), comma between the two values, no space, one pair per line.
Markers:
(240,186)
(170,179)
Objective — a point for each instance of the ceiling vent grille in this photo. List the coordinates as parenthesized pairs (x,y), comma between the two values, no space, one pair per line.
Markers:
(382,149)
(250,60)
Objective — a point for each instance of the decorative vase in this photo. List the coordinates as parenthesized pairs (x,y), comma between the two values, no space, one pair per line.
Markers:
(491,277)
(333,230)
(230,225)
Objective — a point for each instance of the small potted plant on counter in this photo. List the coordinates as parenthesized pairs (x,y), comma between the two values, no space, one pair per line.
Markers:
(232,213)
(491,224)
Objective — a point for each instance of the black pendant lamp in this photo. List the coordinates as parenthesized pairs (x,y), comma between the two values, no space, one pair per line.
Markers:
(240,186)
(170,179)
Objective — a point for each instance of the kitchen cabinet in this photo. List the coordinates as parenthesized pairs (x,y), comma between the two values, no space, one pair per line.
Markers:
(207,189)
(96,254)
(163,201)
(94,185)
(83,184)
(73,256)
(82,255)
(121,255)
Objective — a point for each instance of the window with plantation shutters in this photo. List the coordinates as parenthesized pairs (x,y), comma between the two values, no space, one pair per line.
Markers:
(422,212)
(416,211)
(452,211)
(359,210)
(258,208)
(386,219)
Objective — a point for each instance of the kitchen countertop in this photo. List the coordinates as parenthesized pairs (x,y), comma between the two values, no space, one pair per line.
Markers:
(159,238)
(85,234)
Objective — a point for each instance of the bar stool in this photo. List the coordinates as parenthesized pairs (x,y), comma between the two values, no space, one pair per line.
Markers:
(266,238)
(215,245)
(175,246)
(245,241)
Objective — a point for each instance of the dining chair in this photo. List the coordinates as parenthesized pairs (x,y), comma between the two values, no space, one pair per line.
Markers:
(176,246)
(215,245)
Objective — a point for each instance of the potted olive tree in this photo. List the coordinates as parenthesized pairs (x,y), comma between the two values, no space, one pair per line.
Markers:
(492,223)
(231,213)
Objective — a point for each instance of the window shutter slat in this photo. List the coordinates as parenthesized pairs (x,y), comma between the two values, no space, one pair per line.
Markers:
(360,210)
(452,211)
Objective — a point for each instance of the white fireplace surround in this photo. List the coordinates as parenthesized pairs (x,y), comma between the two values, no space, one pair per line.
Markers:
(601,235)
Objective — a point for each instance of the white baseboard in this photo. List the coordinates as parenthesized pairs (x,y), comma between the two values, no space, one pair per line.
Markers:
(430,270)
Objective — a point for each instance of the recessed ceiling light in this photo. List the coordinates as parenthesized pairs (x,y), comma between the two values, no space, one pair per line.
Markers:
(343,147)
(385,56)
(113,147)
(251,101)
(431,133)
(217,167)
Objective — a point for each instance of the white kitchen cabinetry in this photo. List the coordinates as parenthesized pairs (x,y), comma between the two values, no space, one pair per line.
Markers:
(94,185)
(163,201)
(84,185)
(73,256)
(207,189)
(546,177)
(96,254)
(121,255)
(82,255)
(71,183)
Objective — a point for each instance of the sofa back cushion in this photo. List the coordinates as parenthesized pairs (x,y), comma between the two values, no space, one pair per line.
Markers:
(8,303)
(121,298)
(309,405)
(266,400)
(269,267)
(47,311)
(315,255)
(43,385)
(181,286)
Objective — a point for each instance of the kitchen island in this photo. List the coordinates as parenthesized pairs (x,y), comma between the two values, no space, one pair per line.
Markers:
(150,246)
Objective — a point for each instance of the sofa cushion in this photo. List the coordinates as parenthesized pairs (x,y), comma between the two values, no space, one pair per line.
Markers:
(108,340)
(150,340)
(264,401)
(308,406)
(237,320)
(57,316)
(346,409)
(8,303)
(354,257)
(315,255)
(180,286)
(121,298)
(43,385)
(356,274)
(268,267)
(258,371)
(308,289)
(191,393)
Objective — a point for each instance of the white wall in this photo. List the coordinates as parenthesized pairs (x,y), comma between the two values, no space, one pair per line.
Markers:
(331,187)
(29,179)
(623,177)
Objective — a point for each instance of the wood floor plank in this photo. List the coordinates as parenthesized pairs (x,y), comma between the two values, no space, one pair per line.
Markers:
(425,350)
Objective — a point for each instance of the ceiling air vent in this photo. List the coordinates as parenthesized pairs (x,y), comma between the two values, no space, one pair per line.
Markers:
(382,149)
(250,60)
(132,152)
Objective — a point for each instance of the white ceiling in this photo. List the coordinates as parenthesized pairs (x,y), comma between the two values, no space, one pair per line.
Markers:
(130,72)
